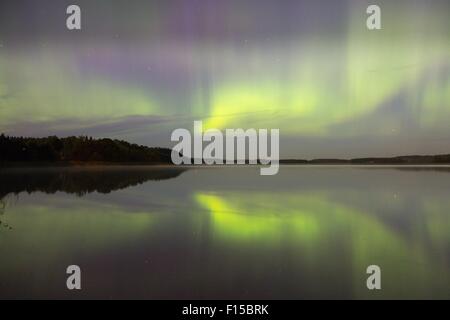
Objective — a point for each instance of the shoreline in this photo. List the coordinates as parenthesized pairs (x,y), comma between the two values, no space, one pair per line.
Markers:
(194,166)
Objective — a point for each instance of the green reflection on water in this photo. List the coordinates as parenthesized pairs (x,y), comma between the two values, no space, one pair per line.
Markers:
(325,232)
(437,224)
(304,240)
(57,230)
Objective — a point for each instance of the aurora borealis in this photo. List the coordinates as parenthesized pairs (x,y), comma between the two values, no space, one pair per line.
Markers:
(139,69)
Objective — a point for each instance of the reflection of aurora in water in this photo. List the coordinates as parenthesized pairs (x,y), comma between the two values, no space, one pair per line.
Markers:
(99,225)
(323,231)
(313,237)
(105,224)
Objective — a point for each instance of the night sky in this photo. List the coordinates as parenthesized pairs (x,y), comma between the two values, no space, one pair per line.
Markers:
(139,69)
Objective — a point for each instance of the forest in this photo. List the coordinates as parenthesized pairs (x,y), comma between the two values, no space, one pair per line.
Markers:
(78,149)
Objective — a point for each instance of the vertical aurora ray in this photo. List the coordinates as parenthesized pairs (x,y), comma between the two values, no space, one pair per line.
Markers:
(336,80)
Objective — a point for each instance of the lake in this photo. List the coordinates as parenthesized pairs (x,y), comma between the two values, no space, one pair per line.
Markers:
(225,233)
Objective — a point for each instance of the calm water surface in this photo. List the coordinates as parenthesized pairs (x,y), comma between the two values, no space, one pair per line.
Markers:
(208,233)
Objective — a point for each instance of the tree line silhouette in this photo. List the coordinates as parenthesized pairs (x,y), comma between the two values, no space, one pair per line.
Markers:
(77,149)
(79,181)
